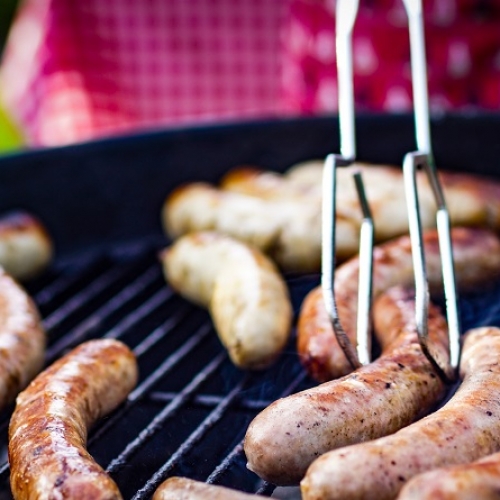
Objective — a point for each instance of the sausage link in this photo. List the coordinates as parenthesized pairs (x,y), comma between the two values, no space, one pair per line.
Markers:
(479,480)
(247,297)
(271,185)
(25,245)
(281,213)
(48,429)
(375,400)
(22,339)
(180,488)
(463,430)
(477,260)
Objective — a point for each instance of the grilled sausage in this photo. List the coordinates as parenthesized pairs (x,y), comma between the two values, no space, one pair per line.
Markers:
(479,480)
(281,214)
(287,231)
(25,246)
(477,260)
(181,488)
(246,296)
(271,185)
(22,339)
(463,430)
(48,429)
(375,400)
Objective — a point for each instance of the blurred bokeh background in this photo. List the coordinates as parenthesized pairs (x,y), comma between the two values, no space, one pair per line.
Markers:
(76,71)
(7,10)
(10,135)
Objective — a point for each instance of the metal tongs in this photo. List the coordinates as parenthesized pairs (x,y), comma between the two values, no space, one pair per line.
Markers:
(346,12)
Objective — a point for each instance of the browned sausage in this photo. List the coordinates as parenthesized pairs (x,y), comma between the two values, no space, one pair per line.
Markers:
(375,400)
(477,260)
(48,429)
(281,214)
(479,480)
(463,430)
(181,488)
(22,339)
(25,245)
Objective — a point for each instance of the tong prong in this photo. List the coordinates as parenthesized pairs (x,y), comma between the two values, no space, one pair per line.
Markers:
(412,162)
(362,353)
(346,13)
(424,158)
(366,239)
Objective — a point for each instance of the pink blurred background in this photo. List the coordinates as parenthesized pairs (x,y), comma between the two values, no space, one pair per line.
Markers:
(74,71)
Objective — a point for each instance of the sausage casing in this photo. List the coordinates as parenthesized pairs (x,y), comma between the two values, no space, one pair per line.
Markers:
(48,429)
(247,297)
(477,261)
(479,480)
(465,429)
(180,488)
(22,339)
(25,245)
(281,214)
(375,400)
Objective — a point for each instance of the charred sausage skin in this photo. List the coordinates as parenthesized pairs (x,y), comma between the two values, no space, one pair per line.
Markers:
(373,401)
(48,429)
(465,429)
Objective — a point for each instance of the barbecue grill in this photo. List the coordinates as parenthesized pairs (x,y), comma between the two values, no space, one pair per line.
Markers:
(101,202)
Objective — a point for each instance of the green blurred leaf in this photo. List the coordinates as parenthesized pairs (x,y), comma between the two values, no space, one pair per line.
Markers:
(10,135)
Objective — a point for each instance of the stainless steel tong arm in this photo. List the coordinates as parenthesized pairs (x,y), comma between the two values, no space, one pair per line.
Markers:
(424,159)
(346,13)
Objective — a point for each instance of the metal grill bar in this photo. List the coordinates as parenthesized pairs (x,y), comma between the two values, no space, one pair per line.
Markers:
(95,320)
(211,400)
(214,416)
(160,332)
(158,299)
(160,419)
(160,372)
(76,301)
(65,281)
(238,449)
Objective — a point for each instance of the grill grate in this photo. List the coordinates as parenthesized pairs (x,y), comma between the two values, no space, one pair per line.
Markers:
(190,410)
(189,393)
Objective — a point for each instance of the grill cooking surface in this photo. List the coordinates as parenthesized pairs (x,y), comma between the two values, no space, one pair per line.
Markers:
(190,410)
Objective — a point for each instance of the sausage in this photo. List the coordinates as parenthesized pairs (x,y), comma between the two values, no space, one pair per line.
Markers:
(271,185)
(479,480)
(477,260)
(25,245)
(181,488)
(48,429)
(22,339)
(281,213)
(246,296)
(463,430)
(287,231)
(375,400)
(464,193)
